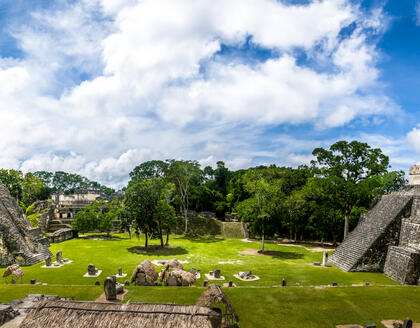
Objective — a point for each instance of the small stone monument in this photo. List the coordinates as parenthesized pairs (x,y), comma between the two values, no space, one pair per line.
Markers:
(48,261)
(205,283)
(120,271)
(33,281)
(230,283)
(92,270)
(141,279)
(126,283)
(217,273)
(110,289)
(334,284)
(325,258)
(59,257)
(211,273)
(172,281)
(408,323)
(283,282)
(97,283)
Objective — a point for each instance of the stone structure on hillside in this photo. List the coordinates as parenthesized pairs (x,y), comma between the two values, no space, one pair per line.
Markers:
(387,239)
(59,212)
(19,242)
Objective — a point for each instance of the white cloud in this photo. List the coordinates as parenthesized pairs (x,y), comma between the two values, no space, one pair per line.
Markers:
(417,8)
(414,139)
(112,83)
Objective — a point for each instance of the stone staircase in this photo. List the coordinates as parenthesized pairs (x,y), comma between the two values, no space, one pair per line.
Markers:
(366,246)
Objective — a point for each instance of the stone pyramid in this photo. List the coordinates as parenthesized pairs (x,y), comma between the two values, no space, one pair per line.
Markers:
(19,242)
(387,239)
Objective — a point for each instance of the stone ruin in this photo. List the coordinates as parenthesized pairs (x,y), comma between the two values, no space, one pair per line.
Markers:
(19,241)
(112,288)
(387,238)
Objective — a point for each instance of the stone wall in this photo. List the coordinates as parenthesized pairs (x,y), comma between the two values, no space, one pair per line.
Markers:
(7,313)
(61,235)
(19,242)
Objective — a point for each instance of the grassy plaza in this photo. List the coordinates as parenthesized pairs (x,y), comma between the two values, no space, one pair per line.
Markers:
(308,300)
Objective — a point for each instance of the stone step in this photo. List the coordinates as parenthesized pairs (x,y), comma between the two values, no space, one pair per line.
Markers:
(368,231)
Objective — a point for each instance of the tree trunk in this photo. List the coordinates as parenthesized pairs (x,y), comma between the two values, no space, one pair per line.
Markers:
(147,239)
(186,220)
(167,238)
(160,233)
(262,239)
(346,225)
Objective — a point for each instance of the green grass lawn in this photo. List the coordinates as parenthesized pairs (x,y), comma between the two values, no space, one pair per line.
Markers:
(291,263)
(258,303)
(302,306)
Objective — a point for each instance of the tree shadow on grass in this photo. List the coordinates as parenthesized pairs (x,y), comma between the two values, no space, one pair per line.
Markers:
(157,250)
(102,237)
(204,240)
(275,254)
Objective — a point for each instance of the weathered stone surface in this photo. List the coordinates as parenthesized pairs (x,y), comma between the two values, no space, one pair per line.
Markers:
(59,257)
(61,235)
(414,175)
(92,270)
(110,288)
(19,241)
(172,281)
(388,238)
(7,313)
(366,247)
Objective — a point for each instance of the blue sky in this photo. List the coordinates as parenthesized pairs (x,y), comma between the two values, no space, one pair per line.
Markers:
(96,87)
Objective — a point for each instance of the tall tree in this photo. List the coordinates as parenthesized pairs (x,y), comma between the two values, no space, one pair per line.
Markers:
(354,164)
(150,170)
(146,203)
(184,175)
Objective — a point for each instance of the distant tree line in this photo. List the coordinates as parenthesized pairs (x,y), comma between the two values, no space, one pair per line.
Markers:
(30,187)
(320,201)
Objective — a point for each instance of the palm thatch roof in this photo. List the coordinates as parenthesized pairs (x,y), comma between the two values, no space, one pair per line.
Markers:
(72,314)
(148,269)
(214,294)
(172,264)
(15,270)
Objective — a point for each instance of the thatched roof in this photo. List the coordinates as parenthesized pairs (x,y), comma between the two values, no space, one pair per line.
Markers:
(15,270)
(72,314)
(214,294)
(148,269)
(172,264)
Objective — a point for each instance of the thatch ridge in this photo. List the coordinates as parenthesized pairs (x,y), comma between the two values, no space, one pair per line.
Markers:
(214,294)
(74,314)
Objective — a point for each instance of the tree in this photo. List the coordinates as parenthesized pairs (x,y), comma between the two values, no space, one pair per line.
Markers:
(184,175)
(12,180)
(150,170)
(146,204)
(256,210)
(97,217)
(354,164)
(32,189)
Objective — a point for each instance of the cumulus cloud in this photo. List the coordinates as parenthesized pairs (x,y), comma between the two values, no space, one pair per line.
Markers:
(414,139)
(104,85)
(417,8)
